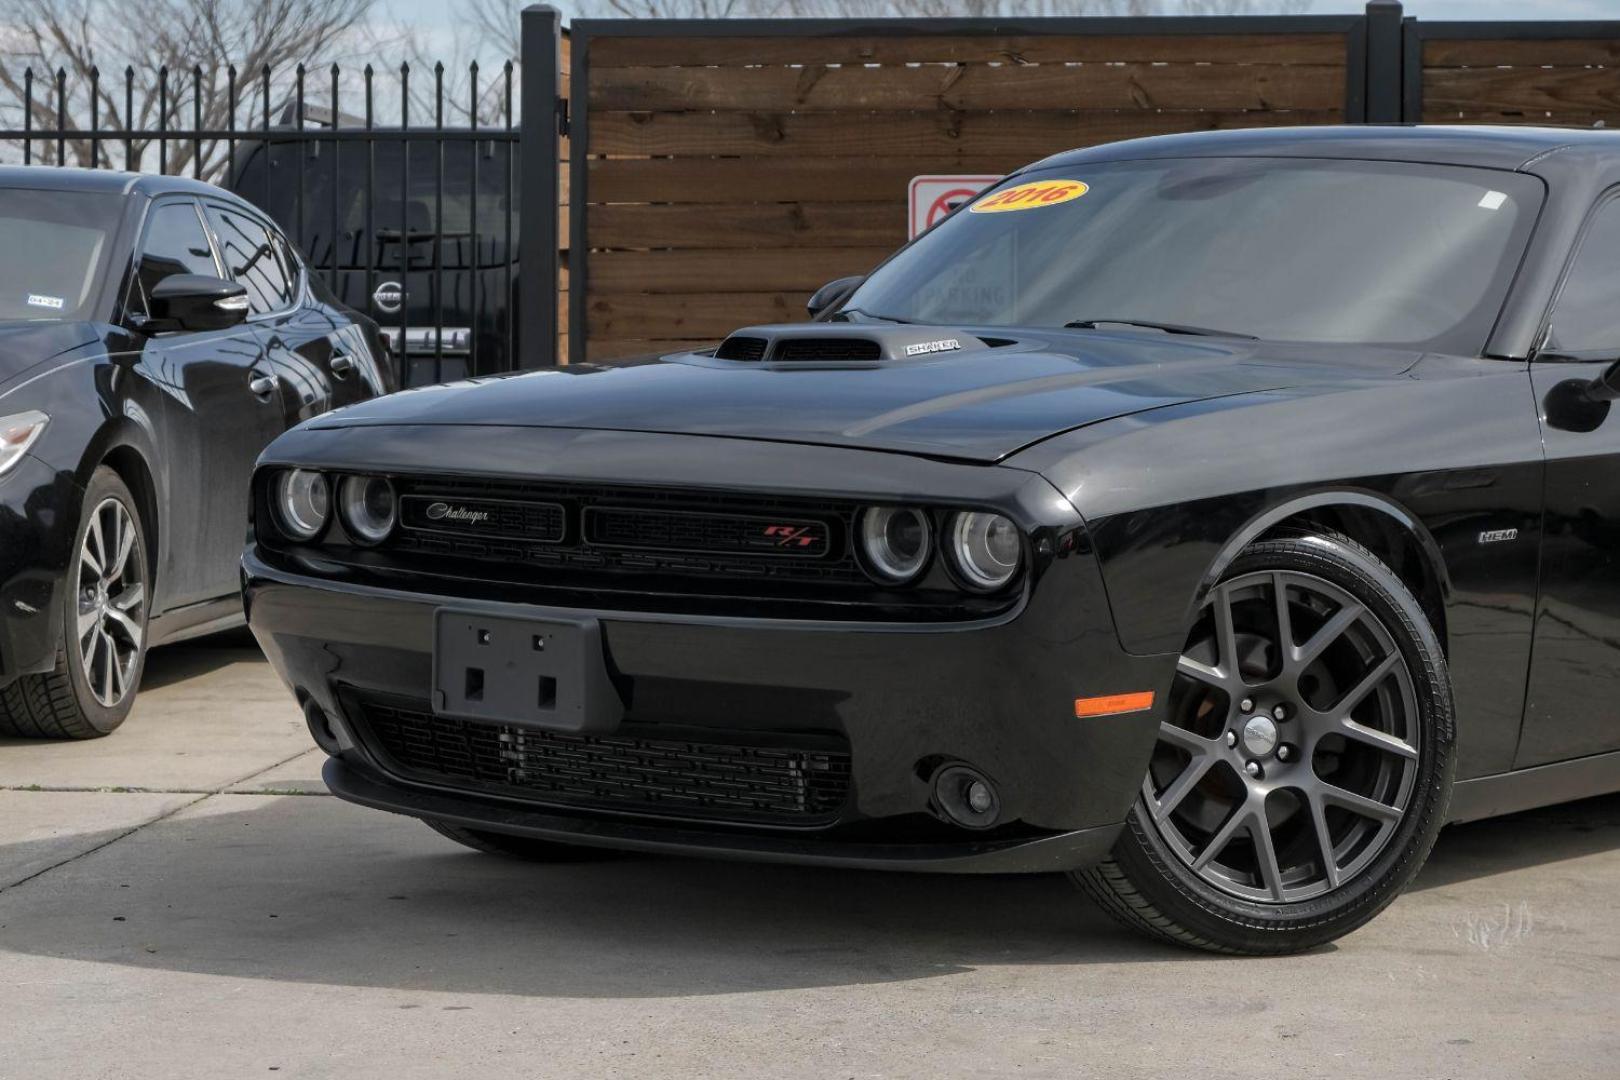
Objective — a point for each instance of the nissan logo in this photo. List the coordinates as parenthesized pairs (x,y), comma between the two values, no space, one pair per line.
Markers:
(442,511)
(389,297)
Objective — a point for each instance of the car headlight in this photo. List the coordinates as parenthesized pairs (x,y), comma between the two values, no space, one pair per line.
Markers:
(895,542)
(17,434)
(303,502)
(985,549)
(368,507)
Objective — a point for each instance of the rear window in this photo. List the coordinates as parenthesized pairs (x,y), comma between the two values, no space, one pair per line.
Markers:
(54,247)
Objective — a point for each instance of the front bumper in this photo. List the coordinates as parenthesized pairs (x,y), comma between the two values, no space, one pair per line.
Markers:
(1059,851)
(39,517)
(909,699)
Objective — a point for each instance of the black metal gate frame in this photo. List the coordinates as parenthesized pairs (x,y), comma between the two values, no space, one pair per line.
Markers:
(254,94)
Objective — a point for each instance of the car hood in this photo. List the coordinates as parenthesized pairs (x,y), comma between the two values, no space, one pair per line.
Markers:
(25,343)
(981,402)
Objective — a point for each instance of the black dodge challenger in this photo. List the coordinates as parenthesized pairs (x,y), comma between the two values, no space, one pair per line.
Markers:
(156,333)
(1212,517)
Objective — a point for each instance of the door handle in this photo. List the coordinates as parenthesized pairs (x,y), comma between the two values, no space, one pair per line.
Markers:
(342,364)
(263,387)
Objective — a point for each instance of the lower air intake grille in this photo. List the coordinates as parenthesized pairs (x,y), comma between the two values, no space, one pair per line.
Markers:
(676,776)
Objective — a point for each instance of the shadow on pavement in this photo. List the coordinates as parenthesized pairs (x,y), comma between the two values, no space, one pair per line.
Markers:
(307,889)
(169,664)
(312,890)
(1534,838)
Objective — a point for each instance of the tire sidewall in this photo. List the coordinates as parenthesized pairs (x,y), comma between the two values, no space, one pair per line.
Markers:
(104,484)
(1146,858)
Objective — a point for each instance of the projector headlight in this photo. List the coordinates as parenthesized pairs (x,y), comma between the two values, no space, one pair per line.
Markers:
(368,507)
(303,502)
(895,543)
(985,549)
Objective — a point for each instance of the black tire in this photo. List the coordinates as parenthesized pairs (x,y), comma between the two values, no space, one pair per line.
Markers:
(1150,887)
(62,703)
(526,848)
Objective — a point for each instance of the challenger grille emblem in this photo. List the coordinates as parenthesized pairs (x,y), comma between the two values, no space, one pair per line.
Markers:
(441,511)
(791,535)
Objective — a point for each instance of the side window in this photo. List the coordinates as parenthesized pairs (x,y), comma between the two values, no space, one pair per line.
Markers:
(174,243)
(1586,318)
(251,258)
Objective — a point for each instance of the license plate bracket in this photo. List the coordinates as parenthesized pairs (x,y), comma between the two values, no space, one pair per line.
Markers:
(547,673)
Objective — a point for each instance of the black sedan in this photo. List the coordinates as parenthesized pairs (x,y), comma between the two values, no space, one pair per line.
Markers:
(155,334)
(1213,517)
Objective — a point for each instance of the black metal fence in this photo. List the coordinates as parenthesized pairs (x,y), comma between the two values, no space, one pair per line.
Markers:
(401,187)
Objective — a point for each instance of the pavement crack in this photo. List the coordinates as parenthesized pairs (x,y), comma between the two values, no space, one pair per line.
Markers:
(200,793)
(131,831)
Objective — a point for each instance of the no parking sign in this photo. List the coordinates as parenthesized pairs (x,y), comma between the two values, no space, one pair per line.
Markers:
(932,197)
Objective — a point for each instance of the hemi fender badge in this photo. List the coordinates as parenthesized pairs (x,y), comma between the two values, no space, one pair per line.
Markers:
(1113,704)
(922,348)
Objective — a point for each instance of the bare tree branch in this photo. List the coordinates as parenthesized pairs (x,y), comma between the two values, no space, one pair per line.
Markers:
(145,65)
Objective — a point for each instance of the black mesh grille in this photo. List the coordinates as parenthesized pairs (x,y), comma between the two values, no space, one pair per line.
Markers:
(741,348)
(628,530)
(828,349)
(665,530)
(483,519)
(739,781)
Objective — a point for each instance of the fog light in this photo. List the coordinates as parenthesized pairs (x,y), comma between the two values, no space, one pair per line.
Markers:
(980,798)
(966,797)
(322,728)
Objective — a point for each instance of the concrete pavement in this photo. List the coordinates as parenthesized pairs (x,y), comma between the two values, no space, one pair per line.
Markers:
(175,902)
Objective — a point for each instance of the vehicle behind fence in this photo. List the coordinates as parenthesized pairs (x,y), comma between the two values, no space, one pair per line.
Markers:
(416,228)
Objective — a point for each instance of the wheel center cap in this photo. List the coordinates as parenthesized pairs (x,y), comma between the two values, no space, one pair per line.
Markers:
(1259,735)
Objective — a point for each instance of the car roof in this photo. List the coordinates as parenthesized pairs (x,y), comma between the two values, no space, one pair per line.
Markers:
(1483,146)
(52,178)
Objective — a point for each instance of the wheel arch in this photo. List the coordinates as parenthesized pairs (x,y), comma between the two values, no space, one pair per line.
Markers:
(1387,529)
(124,447)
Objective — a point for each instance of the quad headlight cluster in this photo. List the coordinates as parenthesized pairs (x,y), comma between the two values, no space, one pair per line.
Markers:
(983,551)
(302,501)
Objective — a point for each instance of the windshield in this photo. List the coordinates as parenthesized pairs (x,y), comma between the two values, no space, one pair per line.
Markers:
(53,245)
(1282,249)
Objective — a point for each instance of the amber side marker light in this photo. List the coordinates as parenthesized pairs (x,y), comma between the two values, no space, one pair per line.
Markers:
(1113,704)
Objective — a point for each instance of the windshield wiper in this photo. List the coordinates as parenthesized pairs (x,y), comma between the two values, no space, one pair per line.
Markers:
(842,315)
(1169,328)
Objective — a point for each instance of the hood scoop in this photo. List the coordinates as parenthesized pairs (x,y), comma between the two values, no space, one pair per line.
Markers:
(841,344)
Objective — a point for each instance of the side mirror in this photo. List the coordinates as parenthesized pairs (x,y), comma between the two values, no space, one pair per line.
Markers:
(1606,387)
(197,302)
(829,296)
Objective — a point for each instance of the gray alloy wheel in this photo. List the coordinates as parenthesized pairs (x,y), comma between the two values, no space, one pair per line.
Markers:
(1290,760)
(111,625)
(101,647)
(1303,761)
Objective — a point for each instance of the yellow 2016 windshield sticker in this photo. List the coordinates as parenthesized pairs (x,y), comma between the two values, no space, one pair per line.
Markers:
(1029,196)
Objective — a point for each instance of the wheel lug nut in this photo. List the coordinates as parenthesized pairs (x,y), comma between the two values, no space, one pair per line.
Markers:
(1284,752)
(1231,738)
(1252,768)
(1280,712)
(1246,704)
